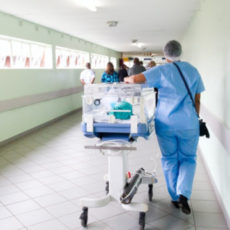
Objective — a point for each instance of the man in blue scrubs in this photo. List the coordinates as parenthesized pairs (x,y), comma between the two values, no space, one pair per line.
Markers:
(176,121)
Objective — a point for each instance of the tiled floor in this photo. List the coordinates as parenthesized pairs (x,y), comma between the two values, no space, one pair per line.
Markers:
(43,175)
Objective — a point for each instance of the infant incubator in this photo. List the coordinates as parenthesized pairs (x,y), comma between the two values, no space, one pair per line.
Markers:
(117,114)
(118,109)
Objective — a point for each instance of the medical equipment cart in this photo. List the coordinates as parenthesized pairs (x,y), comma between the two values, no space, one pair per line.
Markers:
(118,114)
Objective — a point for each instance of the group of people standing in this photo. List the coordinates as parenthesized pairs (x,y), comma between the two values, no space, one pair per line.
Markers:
(110,75)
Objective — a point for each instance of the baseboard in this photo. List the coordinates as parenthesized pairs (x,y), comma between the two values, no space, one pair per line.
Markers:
(16,137)
(218,196)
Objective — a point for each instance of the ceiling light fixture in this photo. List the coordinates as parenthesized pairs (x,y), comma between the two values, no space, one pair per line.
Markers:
(136,43)
(90,4)
(140,45)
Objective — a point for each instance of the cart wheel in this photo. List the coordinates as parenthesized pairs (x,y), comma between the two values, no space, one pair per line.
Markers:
(107,187)
(150,192)
(142,220)
(84,217)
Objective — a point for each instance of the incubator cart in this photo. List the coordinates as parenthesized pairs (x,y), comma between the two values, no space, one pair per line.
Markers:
(118,114)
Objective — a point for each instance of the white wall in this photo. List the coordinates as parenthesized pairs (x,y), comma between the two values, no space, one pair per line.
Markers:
(207,46)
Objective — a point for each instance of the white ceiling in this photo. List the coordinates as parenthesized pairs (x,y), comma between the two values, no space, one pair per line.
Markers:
(152,22)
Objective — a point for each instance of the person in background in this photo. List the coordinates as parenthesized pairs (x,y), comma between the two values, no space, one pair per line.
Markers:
(137,68)
(122,72)
(176,121)
(87,76)
(110,75)
(151,64)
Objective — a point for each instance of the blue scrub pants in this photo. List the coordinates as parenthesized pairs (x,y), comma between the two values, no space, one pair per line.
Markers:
(179,160)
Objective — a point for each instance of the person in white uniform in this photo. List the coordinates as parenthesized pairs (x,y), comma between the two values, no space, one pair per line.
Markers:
(87,76)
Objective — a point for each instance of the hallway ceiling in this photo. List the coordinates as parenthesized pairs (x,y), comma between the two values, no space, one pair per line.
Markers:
(151,22)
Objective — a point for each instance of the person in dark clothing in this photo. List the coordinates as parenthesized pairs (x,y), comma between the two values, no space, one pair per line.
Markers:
(137,67)
(122,72)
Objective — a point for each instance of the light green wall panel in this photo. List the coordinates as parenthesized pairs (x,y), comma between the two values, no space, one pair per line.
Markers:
(18,83)
(20,120)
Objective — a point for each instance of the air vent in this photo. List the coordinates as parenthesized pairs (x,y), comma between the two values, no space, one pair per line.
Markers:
(112,23)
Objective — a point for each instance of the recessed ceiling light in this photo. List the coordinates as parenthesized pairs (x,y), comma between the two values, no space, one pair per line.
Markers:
(140,44)
(136,43)
(89,4)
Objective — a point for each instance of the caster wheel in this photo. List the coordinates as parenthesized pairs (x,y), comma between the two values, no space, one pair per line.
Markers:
(150,192)
(107,187)
(142,220)
(84,217)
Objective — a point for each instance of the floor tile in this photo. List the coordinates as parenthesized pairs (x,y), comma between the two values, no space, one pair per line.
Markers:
(22,207)
(170,223)
(106,212)
(205,206)
(9,189)
(97,226)
(4,212)
(38,191)
(48,225)
(10,223)
(29,184)
(73,221)
(34,217)
(62,209)
(13,198)
(210,220)
(122,222)
(211,228)
(61,186)
(203,195)
(73,193)
(50,199)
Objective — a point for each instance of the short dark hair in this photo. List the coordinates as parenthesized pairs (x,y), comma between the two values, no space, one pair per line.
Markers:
(88,65)
(136,61)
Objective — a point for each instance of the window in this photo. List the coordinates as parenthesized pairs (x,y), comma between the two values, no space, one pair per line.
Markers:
(114,61)
(71,59)
(21,54)
(99,61)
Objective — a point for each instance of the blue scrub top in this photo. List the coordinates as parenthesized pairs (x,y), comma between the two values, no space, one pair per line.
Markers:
(175,110)
(109,78)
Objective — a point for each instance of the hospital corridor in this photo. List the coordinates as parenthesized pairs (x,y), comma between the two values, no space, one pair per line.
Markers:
(114,115)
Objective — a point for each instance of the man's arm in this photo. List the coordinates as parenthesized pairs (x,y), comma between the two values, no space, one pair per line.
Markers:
(197,103)
(93,80)
(138,78)
(82,82)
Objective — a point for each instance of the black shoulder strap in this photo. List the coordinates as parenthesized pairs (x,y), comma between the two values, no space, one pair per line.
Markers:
(186,85)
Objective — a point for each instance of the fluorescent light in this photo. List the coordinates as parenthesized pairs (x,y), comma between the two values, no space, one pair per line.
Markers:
(90,4)
(136,43)
(140,45)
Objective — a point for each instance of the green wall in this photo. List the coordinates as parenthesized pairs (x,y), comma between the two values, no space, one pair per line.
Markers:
(18,83)
(207,46)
